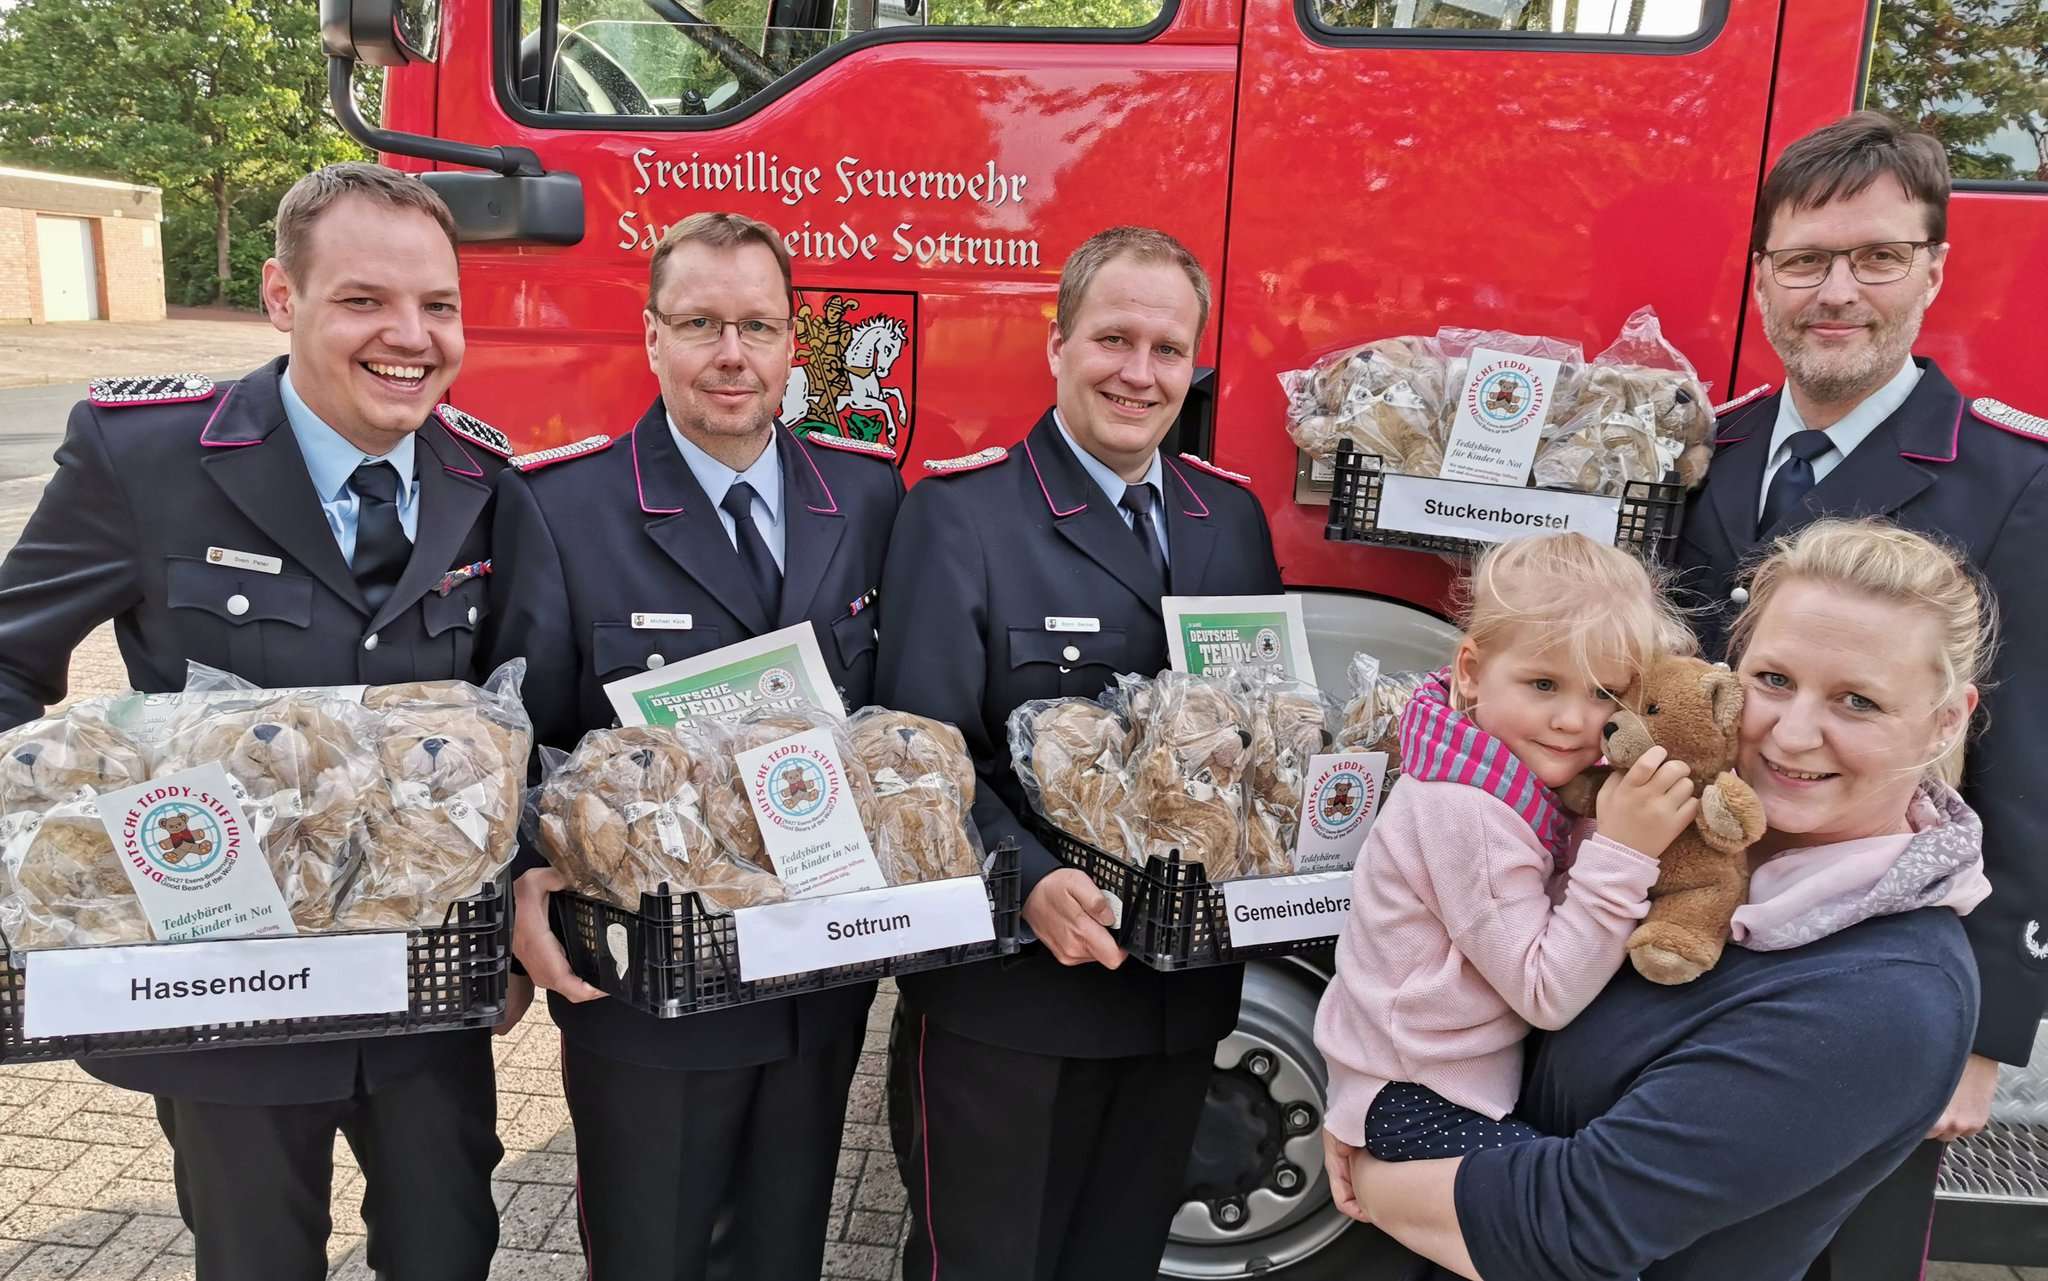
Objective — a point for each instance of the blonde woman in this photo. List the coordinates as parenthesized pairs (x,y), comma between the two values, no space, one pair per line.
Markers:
(1726,1128)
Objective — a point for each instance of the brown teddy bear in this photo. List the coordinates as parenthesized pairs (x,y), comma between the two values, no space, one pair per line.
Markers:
(308,780)
(1627,423)
(454,762)
(922,826)
(61,881)
(1371,719)
(1187,772)
(1693,709)
(1290,725)
(1069,754)
(623,817)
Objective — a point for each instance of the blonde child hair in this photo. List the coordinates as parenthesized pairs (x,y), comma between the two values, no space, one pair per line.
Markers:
(1592,598)
(1877,559)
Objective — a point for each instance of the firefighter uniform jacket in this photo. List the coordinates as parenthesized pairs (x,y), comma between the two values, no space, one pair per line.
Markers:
(608,529)
(155,476)
(1973,476)
(984,563)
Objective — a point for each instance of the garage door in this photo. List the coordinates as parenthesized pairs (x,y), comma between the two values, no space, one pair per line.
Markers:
(70,282)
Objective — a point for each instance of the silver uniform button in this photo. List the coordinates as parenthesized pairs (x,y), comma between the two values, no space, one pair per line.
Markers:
(1740,596)
(370,641)
(1071,653)
(472,615)
(654,661)
(238,604)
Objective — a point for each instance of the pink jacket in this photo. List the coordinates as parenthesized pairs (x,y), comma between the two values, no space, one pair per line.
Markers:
(1462,935)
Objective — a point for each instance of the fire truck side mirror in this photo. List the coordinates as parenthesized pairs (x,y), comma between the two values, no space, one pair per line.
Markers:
(515,199)
(382,33)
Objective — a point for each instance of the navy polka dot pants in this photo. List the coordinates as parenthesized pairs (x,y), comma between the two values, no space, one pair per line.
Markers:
(1409,1122)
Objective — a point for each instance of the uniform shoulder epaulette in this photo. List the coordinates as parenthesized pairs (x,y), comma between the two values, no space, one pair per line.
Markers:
(2017,421)
(159,389)
(1236,478)
(1730,406)
(474,430)
(975,461)
(847,444)
(540,458)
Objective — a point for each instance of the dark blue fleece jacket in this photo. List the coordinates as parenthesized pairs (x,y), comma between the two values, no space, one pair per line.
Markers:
(1725,1128)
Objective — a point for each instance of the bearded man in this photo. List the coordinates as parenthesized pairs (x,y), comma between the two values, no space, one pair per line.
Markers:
(1849,250)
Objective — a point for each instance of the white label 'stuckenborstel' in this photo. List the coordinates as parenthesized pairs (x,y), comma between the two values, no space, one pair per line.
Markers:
(1491,513)
(847,929)
(91,990)
(1286,909)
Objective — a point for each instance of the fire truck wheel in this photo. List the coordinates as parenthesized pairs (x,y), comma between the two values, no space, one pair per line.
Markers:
(1258,1204)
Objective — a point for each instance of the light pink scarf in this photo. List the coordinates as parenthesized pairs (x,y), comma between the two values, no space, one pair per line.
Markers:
(1806,894)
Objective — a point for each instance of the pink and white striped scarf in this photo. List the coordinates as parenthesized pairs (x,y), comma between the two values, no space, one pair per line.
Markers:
(1441,744)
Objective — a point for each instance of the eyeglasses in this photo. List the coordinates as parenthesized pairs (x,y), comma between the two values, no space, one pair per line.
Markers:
(1877,264)
(705,331)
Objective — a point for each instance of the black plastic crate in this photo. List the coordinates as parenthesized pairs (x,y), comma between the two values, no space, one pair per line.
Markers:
(457,973)
(682,958)
(1173,917)
(1648,523)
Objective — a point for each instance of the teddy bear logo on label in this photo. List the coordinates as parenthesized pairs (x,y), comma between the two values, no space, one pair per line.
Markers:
(180,841)
(777,683)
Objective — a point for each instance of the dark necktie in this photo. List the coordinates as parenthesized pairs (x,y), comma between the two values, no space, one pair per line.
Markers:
(382,549)
(1791,482)
(760,566)
(1138,500)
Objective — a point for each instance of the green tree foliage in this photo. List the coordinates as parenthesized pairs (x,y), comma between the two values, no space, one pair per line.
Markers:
(1973,73)
(222,103)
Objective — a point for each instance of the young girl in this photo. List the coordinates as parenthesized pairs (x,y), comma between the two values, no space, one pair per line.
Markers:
(1477,909)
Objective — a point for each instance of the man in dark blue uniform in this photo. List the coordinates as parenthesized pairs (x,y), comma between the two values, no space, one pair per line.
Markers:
(1045,1107)
(296,526)
(707,524)
(1850,249)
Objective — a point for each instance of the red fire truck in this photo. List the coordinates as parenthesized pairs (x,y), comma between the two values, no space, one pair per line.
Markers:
(1347,169)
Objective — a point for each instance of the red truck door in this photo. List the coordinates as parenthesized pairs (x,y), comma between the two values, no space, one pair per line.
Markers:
(1545,166)
(931,174)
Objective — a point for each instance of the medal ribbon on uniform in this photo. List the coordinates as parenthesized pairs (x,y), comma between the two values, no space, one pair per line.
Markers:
(456,577)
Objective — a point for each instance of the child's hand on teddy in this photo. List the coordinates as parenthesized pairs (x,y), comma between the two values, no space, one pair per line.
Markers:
(1647,807)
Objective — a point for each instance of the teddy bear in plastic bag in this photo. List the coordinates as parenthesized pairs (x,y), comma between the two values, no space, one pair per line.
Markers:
(1069,753)
(1371,719)
(622,816)
(1390,397)
(61,881)
(1290,727)
(1188,770)
(454,759)
(922,825)
(307,777)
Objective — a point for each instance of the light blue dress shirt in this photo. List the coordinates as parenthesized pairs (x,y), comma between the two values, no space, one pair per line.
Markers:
(331,460)
(1113,485)
(765,475)
(1854,428)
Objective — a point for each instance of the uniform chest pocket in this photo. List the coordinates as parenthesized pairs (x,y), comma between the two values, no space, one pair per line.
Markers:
(465,607)
(238,597)
(1067,663)
(620,649)
(237,619)
(855,637)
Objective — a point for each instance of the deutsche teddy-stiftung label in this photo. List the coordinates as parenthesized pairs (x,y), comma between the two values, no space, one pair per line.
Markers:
(196,861)
(807,815)
(776,939)
(92,990)
(1501,411)
(1338,803)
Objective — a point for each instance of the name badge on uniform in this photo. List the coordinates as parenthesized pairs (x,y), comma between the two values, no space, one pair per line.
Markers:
(244,560)
(1055,623)
(662,622)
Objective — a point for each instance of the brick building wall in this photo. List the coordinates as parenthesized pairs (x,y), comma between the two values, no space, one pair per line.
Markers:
(131,269)
(17,266)
(127,243)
